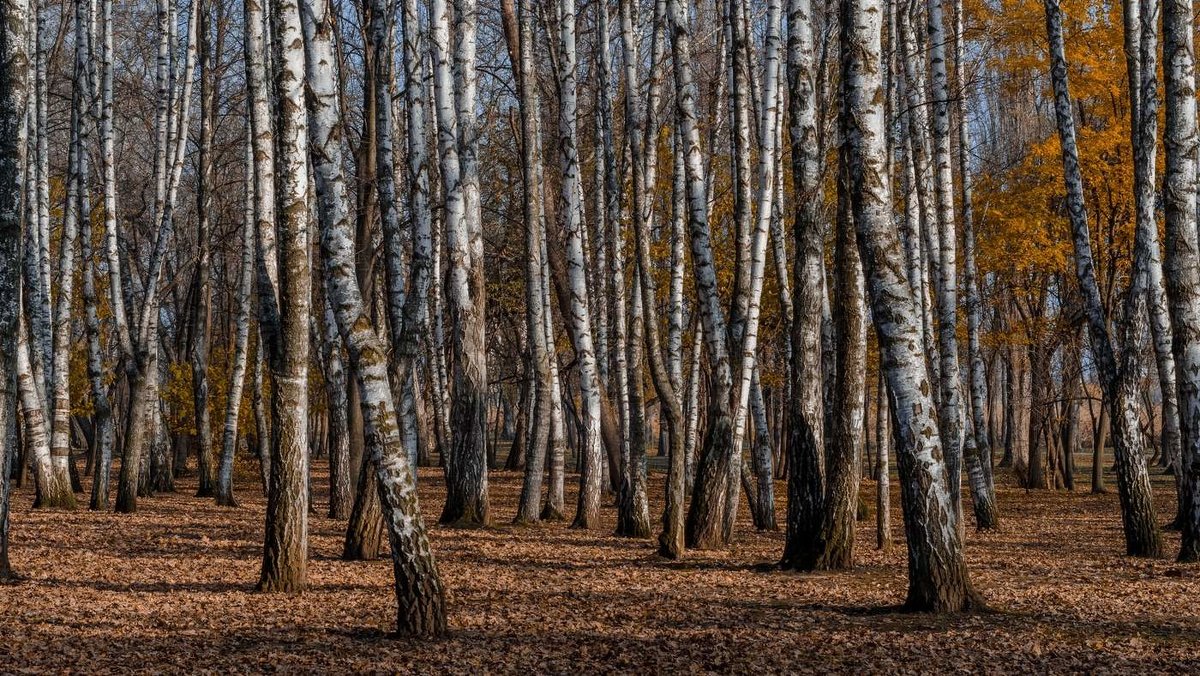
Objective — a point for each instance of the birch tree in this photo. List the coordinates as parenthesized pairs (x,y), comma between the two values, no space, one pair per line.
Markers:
(588,512)
(202,287)
(1116,378)
(237,374)
(521,21)
(937,573)
(979,463)
(454,93)
(142,361)
(1182,262)
(285,550)
(806,438)
(705,521)
(419,593)
(14,95)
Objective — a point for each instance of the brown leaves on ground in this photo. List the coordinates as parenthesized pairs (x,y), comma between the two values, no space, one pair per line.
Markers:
(171,589)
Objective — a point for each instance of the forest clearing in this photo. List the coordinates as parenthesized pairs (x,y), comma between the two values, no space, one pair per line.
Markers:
(172,590)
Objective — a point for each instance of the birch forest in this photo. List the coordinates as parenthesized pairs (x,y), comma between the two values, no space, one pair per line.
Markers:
(745,336)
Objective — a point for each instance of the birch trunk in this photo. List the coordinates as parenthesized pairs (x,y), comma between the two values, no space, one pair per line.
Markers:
(454,86)
(60,494)
(950,410)
(237,374)
(587,514)
(419,593)
(338,435)
(883,439)
(202,308)
(14,95)
(756,264)
(704,528)
(102,416)
(142,368)
(528,509)
(843,471)
(806,427)
(937,573)
(979,462)
(117,282)
(285,551)
(1181,266)
(1137,509)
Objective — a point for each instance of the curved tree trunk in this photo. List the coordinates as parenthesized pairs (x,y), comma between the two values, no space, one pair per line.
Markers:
(705,521)
(1120,389)
(937,573)
(419,594)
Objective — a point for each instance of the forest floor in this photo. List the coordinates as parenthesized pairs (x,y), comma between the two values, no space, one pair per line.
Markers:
(171,589)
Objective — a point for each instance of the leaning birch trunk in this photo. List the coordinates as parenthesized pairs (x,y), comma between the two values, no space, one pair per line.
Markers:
(748,338)
(979,463)
(937,572)
(950,411)
(14,94)
(1182,262)
(1141,45)
(241,343)
(806,427)
(285,550)
(1137,508)
(419,593)
(704,528)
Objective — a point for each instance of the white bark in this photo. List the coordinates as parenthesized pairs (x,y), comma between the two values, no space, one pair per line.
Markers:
(418,588)
(705,519)
(937,573)
(14,95)
(1182,262)
(979,463)
(237,372)
(1137,510)
(285,550)
(588,512)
